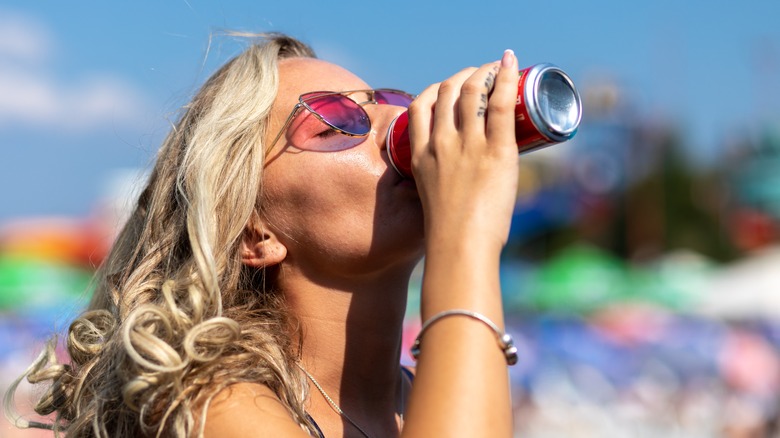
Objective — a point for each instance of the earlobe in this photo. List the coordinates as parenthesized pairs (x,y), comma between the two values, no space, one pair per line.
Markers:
(259,246)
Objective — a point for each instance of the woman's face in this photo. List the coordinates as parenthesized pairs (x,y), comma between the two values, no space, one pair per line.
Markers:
(345,211)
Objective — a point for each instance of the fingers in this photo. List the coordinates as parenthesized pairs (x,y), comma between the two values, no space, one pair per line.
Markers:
(491,90)
(500,124)
(464,157)
(421,116)
(433,111)
(447,103)
(474,100)
(454,112)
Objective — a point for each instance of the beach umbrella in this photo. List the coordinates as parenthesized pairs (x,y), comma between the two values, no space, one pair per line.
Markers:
(39,287)
(580,278)
(745,289)
(675,281)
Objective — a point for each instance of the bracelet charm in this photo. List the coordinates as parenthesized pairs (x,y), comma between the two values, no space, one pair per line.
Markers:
(505,340)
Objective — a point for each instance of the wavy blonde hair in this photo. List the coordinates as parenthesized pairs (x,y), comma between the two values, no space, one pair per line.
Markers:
(176,317)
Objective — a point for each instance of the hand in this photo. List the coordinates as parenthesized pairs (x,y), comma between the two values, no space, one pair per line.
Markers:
(464,155)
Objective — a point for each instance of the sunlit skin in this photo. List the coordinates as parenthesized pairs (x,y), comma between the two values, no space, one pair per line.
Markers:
(346,231)
(343,232)
(337,211)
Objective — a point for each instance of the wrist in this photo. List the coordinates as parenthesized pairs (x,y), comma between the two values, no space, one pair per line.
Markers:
(485,244)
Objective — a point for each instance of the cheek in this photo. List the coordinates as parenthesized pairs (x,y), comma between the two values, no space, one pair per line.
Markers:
(342,211)
(321,182)
(330,198)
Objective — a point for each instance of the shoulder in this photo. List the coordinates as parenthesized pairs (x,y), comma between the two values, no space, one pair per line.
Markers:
(249,410)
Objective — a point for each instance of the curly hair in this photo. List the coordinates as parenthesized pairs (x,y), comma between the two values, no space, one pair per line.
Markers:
(176,317)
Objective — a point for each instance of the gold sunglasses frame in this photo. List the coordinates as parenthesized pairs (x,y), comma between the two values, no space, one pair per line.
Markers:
(303,102)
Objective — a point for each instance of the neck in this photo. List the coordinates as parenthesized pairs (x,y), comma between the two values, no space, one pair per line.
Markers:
(351,338)
(356,332)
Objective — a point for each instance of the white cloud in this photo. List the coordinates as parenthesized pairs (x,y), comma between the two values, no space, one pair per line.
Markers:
(32,97)
(22,37)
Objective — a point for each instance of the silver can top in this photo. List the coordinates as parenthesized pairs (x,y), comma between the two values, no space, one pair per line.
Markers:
(552,102)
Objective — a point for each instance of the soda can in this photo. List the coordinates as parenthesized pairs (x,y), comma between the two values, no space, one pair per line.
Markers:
(548,111)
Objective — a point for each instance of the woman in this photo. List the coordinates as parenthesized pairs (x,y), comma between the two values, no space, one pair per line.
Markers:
(271,250)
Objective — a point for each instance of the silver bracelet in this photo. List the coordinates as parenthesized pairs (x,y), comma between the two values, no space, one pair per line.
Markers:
(505,341)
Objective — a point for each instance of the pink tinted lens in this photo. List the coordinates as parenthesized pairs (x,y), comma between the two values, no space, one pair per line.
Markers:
(392,97)
(342,113)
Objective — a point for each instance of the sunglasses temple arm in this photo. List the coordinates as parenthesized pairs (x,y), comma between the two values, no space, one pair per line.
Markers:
(283,128)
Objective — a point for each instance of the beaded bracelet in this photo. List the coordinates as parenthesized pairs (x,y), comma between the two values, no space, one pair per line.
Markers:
(505,341)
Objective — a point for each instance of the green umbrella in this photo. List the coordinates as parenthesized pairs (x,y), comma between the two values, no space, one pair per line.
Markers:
(676,281)
(578,279)
(30,283)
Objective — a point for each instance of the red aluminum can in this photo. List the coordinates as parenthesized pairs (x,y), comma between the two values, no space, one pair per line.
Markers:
(548,111)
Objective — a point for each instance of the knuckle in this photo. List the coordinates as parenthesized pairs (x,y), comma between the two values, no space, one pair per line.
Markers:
(416,106)
(454,82)
(447,87)
(430,89)
(472,87)
(501,105)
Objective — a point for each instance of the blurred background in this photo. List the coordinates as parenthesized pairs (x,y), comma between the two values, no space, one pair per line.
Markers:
(642,277)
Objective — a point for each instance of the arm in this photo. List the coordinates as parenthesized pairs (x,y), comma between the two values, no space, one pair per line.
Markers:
(466,170)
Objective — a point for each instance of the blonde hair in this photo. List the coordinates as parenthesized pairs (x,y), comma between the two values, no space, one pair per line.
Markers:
(176,317)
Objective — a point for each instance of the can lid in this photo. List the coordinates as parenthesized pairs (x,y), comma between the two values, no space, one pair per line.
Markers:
(553,102)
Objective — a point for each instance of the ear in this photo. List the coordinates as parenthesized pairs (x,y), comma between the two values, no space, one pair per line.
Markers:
(259,246)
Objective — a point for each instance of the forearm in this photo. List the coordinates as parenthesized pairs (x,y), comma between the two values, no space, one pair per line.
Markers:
(462,383)
(466,167)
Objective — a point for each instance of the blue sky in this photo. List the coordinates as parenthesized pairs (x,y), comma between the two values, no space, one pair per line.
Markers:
(87,88)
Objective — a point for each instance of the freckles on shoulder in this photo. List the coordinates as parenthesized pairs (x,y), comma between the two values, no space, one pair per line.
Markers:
(249,410)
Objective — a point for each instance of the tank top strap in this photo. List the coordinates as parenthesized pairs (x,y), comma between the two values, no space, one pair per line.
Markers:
(408,373)
(316,426)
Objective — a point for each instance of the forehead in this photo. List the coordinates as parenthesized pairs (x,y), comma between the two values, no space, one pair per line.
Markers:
(301,75)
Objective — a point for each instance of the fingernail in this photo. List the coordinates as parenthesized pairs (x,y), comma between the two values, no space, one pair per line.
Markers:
(508,59)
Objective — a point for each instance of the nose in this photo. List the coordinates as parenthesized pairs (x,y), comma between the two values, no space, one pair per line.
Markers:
(382,116)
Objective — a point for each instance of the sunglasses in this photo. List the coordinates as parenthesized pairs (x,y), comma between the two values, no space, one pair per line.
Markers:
(341,113)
